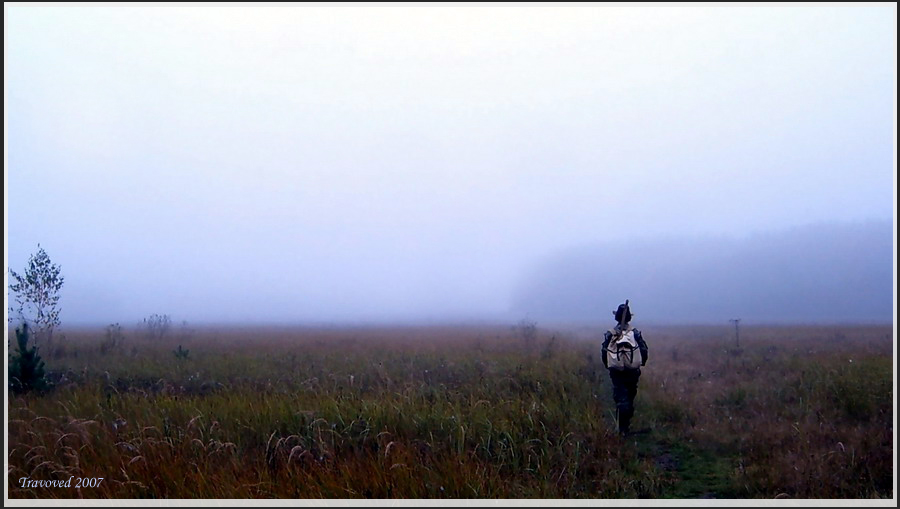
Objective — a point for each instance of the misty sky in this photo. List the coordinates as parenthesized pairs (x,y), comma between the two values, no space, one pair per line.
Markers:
(298,163)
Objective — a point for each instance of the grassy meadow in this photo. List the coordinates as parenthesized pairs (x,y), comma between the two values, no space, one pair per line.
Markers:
(459,412)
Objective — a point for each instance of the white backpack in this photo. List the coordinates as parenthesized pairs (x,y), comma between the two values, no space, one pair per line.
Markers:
(622,352)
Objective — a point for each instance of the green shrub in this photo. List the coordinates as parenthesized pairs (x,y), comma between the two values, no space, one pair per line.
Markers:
(181,353)
(26,369)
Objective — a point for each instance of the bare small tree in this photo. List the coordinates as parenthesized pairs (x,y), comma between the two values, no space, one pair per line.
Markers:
(36,293)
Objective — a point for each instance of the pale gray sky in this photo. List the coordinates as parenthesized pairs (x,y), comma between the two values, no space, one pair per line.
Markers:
(317,163)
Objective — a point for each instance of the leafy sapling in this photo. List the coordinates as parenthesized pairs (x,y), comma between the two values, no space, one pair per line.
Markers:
(36,293)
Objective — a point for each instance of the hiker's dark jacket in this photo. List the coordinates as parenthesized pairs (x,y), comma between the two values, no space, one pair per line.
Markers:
(642,346)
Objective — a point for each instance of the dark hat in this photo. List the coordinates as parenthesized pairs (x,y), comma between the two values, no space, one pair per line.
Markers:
(623,308)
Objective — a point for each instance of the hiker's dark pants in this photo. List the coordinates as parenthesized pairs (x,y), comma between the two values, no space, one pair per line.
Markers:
(625,384)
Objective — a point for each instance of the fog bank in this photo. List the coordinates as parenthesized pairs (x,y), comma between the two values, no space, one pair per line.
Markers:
(820,273)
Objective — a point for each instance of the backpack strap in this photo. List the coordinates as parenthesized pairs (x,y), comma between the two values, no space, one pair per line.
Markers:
(616,332)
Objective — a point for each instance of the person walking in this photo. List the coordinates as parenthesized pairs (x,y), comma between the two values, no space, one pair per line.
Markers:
(624,352)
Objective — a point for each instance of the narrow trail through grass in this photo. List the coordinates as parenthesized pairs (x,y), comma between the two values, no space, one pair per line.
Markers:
(691,471)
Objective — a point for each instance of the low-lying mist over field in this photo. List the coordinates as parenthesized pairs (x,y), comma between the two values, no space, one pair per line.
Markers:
(821,273)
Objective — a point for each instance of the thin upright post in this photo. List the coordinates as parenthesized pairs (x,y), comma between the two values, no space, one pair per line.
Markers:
(737,330)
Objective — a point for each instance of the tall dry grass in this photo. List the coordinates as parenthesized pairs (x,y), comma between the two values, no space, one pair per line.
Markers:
(471,412)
